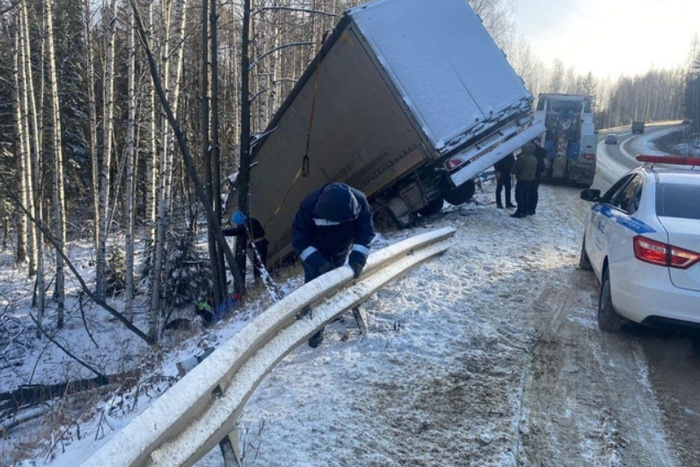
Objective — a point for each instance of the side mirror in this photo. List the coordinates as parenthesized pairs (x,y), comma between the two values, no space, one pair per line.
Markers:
(590,195)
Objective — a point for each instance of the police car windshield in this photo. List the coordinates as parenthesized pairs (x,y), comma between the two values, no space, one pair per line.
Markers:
(676,200)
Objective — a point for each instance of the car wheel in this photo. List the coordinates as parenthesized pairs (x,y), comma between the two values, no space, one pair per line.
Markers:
(608,319)
(583,261)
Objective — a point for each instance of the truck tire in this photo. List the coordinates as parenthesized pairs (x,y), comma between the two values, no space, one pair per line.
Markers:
(433,207)
(461,194)
(608,319)
(583,261)
(383,219)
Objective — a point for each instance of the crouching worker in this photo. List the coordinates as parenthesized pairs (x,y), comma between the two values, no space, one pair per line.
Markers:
(242,227)
(333,224)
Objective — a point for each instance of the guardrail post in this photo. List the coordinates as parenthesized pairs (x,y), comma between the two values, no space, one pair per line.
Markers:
(361,319)
(230,450)
(229,445)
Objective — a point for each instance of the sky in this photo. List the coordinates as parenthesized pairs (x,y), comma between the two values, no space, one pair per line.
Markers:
(610,37)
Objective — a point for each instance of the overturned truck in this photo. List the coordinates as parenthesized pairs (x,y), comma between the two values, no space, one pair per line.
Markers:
(407,100)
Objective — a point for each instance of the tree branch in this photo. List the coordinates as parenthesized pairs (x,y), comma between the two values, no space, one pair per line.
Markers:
(102,378)
(291,44)
(303,10)
(49,236)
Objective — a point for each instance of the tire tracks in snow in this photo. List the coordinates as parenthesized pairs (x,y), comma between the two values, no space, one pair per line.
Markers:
(585,399)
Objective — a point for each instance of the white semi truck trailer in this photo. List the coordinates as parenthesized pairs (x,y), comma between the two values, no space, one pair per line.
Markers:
(407,100)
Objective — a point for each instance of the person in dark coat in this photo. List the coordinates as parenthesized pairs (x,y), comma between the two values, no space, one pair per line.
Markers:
(242,226)
(524,170)
(502,169)
(333,224)
(540,154)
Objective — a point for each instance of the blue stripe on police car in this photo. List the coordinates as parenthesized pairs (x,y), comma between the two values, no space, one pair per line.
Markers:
(632,223)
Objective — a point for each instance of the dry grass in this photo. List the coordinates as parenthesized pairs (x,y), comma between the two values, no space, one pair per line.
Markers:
(683,142)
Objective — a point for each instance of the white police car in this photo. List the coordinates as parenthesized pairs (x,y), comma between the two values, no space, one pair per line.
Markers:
(642,240)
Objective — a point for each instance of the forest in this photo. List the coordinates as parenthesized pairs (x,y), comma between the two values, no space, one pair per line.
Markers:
(125,121)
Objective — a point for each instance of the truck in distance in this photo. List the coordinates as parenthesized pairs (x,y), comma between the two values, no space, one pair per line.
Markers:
(570,139)
(637,127)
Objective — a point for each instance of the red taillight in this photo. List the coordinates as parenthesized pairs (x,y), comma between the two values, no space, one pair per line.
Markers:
(452,163)
(589,156)
(663,254)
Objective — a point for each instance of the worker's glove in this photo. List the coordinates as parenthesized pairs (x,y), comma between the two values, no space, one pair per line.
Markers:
(327,267)
(357,260)
(356,269)
(317,262)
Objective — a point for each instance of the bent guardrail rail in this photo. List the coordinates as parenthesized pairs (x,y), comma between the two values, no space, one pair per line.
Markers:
(188,420)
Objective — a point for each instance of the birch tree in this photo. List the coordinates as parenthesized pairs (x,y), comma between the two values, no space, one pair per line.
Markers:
(36,158)
(107,132)
(20,149)
(92,117)
(58,188)
(130,164)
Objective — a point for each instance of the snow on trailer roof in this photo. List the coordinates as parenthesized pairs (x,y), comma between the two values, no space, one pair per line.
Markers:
(443,61)
(564,96)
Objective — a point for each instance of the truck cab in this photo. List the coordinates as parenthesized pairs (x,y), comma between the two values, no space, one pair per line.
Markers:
(570,140)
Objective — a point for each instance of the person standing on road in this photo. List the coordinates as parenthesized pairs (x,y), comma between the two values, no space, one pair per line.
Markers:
(333,224)
(540,155)
(524,170)
(502,169)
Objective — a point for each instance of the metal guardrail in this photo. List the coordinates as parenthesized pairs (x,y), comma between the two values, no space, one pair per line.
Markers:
(190,419)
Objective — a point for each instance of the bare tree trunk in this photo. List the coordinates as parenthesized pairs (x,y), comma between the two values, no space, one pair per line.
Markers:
(176,82)
(23,68)
(244,168)
(218,262)
(163,196)
(130,163)
(59,192)
(107,123)
(36,163)
(151,165)
(21,252)
(207,153)
(92,115)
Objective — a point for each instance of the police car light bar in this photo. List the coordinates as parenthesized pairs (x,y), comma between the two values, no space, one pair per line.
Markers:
(675,160)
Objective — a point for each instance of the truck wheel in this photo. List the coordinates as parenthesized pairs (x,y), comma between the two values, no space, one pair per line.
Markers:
(383,219)
(583,261)
(608,319)
(433,207)
(461,194)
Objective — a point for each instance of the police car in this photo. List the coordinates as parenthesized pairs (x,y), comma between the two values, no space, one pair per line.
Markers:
(642,240)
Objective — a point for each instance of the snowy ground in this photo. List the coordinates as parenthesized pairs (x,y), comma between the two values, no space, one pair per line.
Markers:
(488,355)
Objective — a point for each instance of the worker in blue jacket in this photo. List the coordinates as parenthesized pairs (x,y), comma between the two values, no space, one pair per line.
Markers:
(333,224)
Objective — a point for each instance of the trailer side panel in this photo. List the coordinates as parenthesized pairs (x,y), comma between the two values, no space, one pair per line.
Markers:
(359,134)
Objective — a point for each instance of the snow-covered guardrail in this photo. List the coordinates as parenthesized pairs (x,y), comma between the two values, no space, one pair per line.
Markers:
(202,408)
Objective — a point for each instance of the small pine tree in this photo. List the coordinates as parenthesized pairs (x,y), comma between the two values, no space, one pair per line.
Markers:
(116,272)
(188,279)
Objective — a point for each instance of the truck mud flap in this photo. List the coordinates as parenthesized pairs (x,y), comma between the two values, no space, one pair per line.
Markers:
(461,194)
